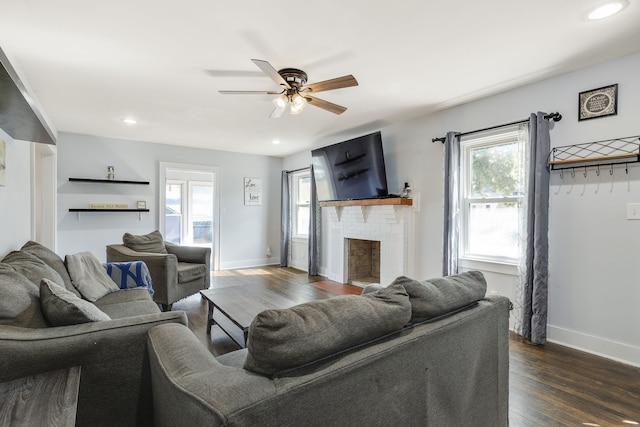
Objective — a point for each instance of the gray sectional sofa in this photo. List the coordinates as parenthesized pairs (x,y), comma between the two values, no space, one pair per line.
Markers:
(46,324)
(416,353)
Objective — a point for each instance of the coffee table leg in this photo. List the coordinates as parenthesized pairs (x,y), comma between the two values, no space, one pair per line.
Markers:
(210,321)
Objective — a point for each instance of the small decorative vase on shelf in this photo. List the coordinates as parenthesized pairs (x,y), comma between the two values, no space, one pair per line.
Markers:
(111,173)
(406,191)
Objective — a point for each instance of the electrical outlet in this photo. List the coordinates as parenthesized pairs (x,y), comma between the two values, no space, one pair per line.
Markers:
(633,210)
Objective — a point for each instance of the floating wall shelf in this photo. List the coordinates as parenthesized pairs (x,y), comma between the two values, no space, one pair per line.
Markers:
(107,210)
(607,152)
(108,181)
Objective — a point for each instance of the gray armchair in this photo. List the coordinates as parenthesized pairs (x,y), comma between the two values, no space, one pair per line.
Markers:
(176,271)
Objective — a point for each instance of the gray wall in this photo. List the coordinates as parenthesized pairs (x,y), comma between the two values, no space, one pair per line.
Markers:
(594,291)
(245,231)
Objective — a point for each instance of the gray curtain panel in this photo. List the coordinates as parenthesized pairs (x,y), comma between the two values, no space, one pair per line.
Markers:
(285,220)
(314,229)
(535,274)
(451,203)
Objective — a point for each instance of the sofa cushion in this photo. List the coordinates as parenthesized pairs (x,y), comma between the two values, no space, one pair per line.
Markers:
(133,302)
(62,307)
(89,276)
(188,271)
(435,297)
(152,242)
(52,259)
(19,300)
(32,267)
(280,339)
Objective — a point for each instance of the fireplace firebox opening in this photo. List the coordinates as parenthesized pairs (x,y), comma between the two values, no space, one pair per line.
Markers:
(363,261)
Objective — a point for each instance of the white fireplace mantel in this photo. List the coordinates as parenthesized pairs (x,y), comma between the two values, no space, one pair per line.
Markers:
(389,221)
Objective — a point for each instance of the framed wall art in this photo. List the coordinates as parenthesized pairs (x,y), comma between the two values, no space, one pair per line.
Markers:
(596,103)
(252,191)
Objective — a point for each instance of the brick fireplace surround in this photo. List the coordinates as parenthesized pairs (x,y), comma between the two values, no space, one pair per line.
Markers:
(388,221)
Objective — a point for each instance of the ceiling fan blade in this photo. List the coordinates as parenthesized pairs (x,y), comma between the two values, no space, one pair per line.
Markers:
(248,92)
(271,72)
(337,83)
(325,105)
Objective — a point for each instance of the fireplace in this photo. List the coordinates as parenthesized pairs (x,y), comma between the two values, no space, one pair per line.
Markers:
(389,225)
(363,262)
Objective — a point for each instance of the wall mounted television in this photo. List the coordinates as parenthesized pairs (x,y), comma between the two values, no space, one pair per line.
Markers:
(350,170)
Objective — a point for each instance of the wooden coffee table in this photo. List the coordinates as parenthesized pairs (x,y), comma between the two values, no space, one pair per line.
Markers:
(240,304)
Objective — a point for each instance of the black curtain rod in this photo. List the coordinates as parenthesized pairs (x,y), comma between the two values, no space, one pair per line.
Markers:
(556,117)
(298,170)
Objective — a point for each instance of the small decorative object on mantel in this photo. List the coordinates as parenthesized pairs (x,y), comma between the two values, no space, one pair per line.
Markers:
(596,103)
(111,173)
(406,191)
(142,204)
(252,191)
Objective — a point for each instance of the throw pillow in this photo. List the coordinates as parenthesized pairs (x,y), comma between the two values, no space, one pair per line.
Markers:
(19,300)
(61,307)
(89,276)
(32,267)
(152,242)
(280,339)
(130,275)
(435,297)
(52,259)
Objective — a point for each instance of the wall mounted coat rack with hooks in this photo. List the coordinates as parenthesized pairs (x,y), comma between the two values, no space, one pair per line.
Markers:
(608,152)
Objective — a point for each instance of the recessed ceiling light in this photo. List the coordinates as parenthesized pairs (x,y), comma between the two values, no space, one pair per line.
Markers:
(129,121)
(607,10)
(275,141)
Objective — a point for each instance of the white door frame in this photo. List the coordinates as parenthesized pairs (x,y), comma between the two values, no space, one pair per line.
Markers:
(44,191)
(164,166)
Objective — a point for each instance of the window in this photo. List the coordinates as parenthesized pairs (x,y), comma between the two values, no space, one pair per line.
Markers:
(300,203)
(492,196)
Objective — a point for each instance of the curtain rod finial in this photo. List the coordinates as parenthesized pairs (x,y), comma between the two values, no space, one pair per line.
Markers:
(556,117)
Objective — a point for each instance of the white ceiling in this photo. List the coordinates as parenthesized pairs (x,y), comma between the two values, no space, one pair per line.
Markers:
(90,63)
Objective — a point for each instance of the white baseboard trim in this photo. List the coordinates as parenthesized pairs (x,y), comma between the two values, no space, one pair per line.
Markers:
(617,351)
(248,263)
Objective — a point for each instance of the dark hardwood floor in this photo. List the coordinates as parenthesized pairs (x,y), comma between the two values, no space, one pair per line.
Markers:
(550,385)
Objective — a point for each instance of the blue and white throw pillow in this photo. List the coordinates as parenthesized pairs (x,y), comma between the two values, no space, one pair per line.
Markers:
(130,275)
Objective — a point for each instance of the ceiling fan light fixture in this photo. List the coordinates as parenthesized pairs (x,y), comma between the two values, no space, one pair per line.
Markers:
(281,101)
(297,104)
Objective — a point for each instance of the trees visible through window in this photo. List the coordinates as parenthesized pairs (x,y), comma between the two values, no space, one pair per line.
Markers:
(492,173)
(301,198)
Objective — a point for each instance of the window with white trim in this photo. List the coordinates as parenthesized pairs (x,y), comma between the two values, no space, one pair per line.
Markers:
(492,196)
(300,203)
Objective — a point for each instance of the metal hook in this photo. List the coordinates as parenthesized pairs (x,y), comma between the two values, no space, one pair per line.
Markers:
(585,172)
(598,171)
(573,173)
(561,174)
(626,168)
(611,170)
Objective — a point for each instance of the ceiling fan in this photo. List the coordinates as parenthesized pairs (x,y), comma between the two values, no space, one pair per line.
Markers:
(296,93)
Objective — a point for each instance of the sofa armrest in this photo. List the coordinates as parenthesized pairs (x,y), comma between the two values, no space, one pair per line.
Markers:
(115,386)
(163,268)
(190,387)
(194,254)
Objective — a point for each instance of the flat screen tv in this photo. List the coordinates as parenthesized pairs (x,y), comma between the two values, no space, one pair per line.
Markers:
(350,170)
